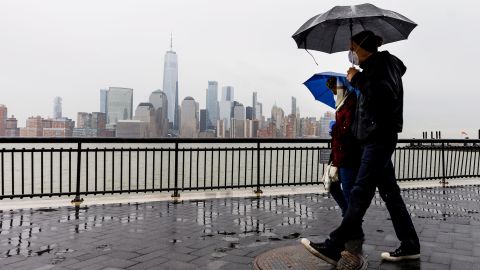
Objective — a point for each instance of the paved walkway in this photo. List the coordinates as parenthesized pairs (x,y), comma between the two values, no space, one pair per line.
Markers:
(229,233)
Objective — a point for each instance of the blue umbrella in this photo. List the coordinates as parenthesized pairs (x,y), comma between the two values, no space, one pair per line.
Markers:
(317,85)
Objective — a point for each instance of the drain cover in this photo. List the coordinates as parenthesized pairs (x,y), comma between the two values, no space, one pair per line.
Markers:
(290,257)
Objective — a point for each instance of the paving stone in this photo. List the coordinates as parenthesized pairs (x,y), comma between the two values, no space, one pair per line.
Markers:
(229,233)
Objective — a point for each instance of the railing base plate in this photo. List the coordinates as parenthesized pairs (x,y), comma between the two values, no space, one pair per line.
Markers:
(77,201)
(176,198)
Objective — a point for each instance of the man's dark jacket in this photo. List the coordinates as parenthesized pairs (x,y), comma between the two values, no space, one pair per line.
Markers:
(380,104)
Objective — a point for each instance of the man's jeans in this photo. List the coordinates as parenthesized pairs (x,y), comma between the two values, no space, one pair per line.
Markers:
(376,171)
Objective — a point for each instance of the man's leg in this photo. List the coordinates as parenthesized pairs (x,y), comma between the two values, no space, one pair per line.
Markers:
(373,159)
(402,222)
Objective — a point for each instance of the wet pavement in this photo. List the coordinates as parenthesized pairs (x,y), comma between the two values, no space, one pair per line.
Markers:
(229,233)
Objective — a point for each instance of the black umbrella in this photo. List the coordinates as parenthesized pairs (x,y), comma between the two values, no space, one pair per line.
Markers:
(331,31)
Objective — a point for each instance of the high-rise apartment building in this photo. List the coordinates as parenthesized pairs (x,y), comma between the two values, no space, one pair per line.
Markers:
(84,120)
(11,127)
(60,127)
(90,125)
(33,127)
(99,121)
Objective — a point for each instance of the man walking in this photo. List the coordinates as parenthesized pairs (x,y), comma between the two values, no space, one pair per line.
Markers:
(378,120)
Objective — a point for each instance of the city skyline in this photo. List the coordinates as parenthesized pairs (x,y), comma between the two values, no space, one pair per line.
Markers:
(125,46)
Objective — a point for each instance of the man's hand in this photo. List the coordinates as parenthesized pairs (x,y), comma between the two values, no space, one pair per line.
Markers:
(351,72)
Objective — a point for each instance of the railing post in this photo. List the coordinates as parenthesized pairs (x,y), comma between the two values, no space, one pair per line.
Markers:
(176,195)
(443,181)
(258,191)
(77,200)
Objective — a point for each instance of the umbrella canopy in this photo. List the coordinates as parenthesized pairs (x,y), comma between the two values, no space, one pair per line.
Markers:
(331,31)
(317,85)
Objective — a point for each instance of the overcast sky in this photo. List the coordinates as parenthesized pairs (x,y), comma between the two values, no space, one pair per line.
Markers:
(72,49)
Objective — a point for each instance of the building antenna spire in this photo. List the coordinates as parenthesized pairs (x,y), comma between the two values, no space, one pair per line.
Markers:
(171,41)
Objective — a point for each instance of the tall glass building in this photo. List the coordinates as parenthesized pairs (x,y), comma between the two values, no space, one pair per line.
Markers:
(159,101)
(103,100)
(57,108)
(170,86)
(225,106)
(119,104)
(189,123)
(212,104)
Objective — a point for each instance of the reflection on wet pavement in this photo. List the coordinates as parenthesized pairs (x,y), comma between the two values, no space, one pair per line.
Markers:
(239,226)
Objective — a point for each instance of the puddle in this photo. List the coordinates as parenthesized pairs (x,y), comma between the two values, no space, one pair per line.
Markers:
(46,210)
(230,239)
(175,241)
(291,236)
(104,247)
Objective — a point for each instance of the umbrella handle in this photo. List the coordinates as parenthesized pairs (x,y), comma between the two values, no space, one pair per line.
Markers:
(351,35)
(312,57)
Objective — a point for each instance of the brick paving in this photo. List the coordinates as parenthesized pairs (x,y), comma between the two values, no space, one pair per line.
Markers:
(229,233)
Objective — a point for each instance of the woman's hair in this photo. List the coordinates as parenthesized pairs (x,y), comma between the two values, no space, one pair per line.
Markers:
(332,83)
(368,41)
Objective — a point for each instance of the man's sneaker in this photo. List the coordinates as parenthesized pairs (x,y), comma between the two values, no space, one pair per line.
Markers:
(351,261)
(320,250)
(401,254)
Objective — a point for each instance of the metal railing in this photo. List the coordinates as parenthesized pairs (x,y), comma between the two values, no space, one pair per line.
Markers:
(36,167)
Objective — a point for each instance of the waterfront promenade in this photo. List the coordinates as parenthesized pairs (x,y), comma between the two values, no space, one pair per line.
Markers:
(229,233)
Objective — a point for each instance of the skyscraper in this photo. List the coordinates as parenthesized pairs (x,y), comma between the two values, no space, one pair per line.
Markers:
(212,104)
(294,106)
(145,112)
(203,120)
(103,100)
(119,104)
(257,107)
(249,113)
(189,118)
(57,108)
(159,100)
(278,119)
(238,121)
(3,119)
(225,106)
(170,85)
(254,105)
(227,93)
